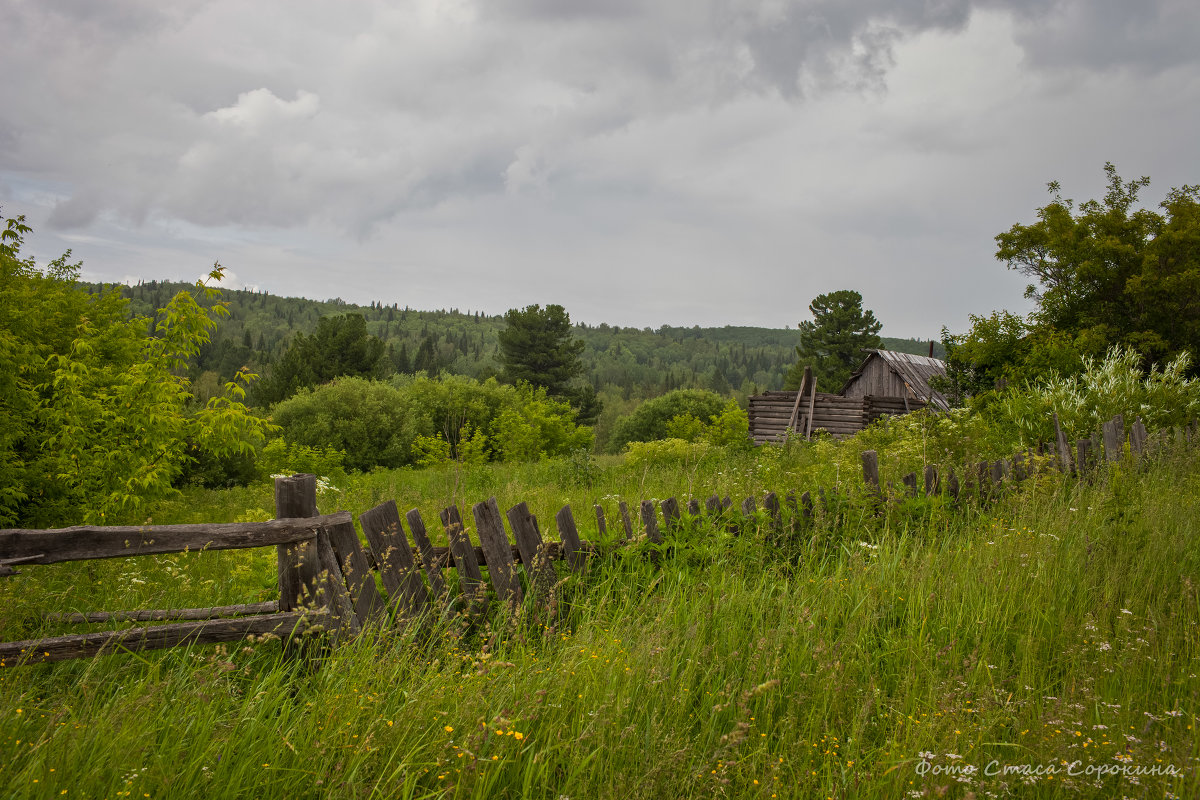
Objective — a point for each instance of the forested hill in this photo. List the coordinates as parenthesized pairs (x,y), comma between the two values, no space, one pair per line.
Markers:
(630,363)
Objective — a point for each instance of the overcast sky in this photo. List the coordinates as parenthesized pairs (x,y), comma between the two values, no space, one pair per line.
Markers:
(674,162)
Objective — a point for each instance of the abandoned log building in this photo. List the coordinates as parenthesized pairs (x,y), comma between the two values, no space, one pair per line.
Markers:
(886,383)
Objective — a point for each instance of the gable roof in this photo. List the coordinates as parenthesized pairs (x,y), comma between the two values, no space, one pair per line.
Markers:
(914,370)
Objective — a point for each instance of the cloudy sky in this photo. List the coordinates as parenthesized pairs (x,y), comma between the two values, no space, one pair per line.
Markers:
(641,163)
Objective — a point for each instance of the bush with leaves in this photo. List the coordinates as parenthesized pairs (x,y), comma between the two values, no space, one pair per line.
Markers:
(653,419)
(96,409)
(1115,384)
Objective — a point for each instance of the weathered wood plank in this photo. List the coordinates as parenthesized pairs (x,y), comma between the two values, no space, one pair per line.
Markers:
(497,552)
(771,506)
(1137,437)
(693,507)
(465,561)
(87,645)
(297,563)
(368,604)
(650,522)
(870,466)
(162,615)
(1062,449)
(397,567)
(86,542)
(910,483)
(601,524)
(534,554)
(626,522)
(425,549)
(953,485)
(569,534)
(1114,438)
(932,483)
(332,585)
(1083,458)
(670,510)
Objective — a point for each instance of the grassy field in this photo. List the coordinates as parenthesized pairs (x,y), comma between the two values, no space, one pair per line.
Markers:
(1044,646)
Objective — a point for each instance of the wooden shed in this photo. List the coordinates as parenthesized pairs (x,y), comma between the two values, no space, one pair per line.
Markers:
(886,373)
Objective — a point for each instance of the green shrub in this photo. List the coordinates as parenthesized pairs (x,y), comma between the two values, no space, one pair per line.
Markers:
(653,418)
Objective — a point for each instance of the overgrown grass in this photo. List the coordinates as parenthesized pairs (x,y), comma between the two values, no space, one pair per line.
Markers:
(1055,628)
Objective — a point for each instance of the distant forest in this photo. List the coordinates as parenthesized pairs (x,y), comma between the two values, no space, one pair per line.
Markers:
(624,365)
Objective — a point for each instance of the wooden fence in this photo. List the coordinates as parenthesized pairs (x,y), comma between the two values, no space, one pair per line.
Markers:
(327,575)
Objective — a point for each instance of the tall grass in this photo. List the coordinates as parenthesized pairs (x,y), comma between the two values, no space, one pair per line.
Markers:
(861,659)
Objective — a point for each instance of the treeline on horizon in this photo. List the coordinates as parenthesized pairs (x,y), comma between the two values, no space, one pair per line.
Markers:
(625,365)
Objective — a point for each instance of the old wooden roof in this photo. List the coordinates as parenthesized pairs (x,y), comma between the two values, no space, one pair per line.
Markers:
(914,370)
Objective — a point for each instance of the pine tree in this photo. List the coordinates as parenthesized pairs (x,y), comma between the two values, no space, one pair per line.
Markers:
(835,341)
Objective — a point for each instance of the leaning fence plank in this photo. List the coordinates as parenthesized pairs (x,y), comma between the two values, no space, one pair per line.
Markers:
(1114,438)
(650,522)
(489,526)
(670,509)
(368,604)
(910,482)
(86,645)
(870,466)
(332,584)
(534,554)
(433,565)
(625,520)
(932,483)
(469,576)
(693,507)
(1137,437)
(297,563)
(952,485)
(1062,449)
(713,506)
(771,505)
(569,534)
(601,525)
(399,570)
(806,505)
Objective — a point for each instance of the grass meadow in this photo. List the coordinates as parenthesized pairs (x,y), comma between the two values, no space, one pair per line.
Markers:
(1045,645)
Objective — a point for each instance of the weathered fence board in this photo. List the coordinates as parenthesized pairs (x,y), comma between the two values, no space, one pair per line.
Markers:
(397,567)
(569,534)
(356,569)
(86,645)
(497,552)
(87,542)
(534,554)
(425,548)
(163,615)
(297,562)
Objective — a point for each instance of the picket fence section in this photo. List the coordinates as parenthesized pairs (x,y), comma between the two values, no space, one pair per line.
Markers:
(327,575)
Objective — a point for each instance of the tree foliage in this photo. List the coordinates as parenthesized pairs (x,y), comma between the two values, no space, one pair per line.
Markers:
(97,413)
(420,420)
(538,347)
(666,417)
(1112,273)
(835,341)
(340,346)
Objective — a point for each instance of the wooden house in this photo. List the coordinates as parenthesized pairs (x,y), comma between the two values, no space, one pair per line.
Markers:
(886,373)
(886,383)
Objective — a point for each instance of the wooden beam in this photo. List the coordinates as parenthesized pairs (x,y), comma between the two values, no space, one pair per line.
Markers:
(87,645)
(85,542)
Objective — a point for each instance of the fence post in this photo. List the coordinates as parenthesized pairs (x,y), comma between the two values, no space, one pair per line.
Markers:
(298,564)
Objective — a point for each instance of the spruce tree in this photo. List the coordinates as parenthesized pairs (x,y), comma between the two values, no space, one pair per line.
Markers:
(835,341)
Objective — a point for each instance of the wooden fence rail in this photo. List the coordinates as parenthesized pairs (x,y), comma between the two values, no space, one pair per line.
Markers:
(327,575)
